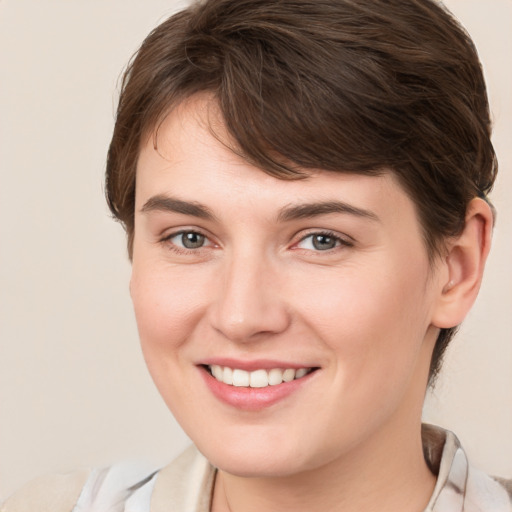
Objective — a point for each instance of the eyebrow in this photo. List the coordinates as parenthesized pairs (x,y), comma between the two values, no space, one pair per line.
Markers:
(303,211)
(288,213)
(171,204)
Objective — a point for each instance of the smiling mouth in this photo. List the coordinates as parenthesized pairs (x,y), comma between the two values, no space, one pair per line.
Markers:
(257,378)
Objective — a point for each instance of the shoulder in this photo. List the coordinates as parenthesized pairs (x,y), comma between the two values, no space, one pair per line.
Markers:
(52,493)
(488,492)
(505,483)
(185,484)
(93,490)
(459,485)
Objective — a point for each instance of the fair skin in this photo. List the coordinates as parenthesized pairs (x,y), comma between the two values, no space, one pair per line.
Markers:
(328,275)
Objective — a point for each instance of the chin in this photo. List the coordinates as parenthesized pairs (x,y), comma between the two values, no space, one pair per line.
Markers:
(252,460)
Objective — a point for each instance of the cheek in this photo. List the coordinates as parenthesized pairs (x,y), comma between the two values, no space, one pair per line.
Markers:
(374,322)
(167,306)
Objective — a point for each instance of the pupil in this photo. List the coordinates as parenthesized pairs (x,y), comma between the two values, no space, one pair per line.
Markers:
(192,240)
(323,242)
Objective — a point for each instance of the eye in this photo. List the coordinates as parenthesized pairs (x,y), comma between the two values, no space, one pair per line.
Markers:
(188,240)
(322,242)
(191,240)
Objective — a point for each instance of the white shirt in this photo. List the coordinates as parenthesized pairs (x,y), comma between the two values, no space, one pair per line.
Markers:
(186,485)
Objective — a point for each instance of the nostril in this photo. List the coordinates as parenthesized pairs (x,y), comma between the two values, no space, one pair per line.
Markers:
(250,321)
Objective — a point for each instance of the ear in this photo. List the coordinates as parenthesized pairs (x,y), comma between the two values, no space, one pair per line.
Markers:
(464,266)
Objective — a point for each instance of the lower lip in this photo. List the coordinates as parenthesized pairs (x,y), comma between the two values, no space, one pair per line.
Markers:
(252,399)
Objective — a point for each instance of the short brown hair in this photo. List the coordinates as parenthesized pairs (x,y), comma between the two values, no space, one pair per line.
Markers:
(358,86)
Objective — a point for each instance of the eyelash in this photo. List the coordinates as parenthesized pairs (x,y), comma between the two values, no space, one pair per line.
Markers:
(339,241)
(184,250)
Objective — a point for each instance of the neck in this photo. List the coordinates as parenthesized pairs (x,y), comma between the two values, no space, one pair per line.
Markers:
(388,473)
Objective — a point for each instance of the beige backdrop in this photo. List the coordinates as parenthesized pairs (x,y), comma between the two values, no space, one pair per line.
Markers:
(73,387)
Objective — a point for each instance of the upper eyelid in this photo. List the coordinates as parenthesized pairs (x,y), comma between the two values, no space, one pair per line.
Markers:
(297,238)
(327,232)
(342,243)
(166,240)
(171,233)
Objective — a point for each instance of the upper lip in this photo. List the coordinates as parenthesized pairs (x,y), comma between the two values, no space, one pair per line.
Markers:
(255,364)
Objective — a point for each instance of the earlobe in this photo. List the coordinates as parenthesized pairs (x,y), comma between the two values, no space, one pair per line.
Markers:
(464,264)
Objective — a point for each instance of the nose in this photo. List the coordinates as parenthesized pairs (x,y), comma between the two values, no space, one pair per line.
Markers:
(249,305)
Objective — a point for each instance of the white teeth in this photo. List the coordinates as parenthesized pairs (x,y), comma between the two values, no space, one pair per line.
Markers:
(275,376)
(217,372)
(257,378)
(289,375)
(300,373)
(227,376)
(240,378)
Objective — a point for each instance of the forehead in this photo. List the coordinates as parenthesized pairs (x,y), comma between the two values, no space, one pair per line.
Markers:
(191,156)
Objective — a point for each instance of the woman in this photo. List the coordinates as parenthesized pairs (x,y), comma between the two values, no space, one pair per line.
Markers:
(304,189)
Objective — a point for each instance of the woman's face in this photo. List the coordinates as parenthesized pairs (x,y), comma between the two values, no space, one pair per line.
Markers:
(325,281)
